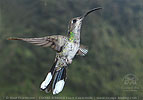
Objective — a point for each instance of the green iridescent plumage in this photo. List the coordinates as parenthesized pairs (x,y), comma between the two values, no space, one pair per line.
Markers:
(71,36)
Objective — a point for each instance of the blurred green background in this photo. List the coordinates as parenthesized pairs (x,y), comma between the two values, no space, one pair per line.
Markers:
(114,36)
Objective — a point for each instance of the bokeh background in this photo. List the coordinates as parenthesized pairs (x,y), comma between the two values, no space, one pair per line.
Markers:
(114,36)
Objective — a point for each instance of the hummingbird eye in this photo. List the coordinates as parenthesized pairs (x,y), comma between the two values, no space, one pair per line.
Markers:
(74,21)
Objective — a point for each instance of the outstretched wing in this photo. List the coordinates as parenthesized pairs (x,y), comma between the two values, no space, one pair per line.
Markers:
(82,50)
(54,41)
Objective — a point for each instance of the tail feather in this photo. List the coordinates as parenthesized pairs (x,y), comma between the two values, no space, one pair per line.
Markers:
(57,83)
(48,78)
(54,81)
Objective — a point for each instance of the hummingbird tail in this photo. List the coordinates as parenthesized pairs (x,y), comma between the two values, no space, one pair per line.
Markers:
(58,81)
(55,80)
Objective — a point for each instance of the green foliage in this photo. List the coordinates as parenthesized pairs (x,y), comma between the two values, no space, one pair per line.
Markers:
(113,36)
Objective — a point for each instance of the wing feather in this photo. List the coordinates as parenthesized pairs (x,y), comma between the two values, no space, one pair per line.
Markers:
(54,41)
(82,50)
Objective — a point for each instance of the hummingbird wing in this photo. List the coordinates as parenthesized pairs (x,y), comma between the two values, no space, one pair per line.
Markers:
(54,41)
(82,50)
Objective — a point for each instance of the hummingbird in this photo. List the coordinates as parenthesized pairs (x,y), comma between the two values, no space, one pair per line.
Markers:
(66,47)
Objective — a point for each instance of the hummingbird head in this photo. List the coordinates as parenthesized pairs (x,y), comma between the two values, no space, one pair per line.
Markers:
(75,23)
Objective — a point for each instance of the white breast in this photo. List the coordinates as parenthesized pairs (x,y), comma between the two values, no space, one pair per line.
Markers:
(71,50)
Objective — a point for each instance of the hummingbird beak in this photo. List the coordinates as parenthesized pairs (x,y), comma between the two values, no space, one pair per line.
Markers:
(94,9)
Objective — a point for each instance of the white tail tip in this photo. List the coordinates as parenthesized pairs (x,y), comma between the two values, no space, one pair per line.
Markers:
(46,81)
(59,87)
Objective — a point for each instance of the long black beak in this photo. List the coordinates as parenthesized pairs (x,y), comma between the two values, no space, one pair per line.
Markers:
(94,9)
